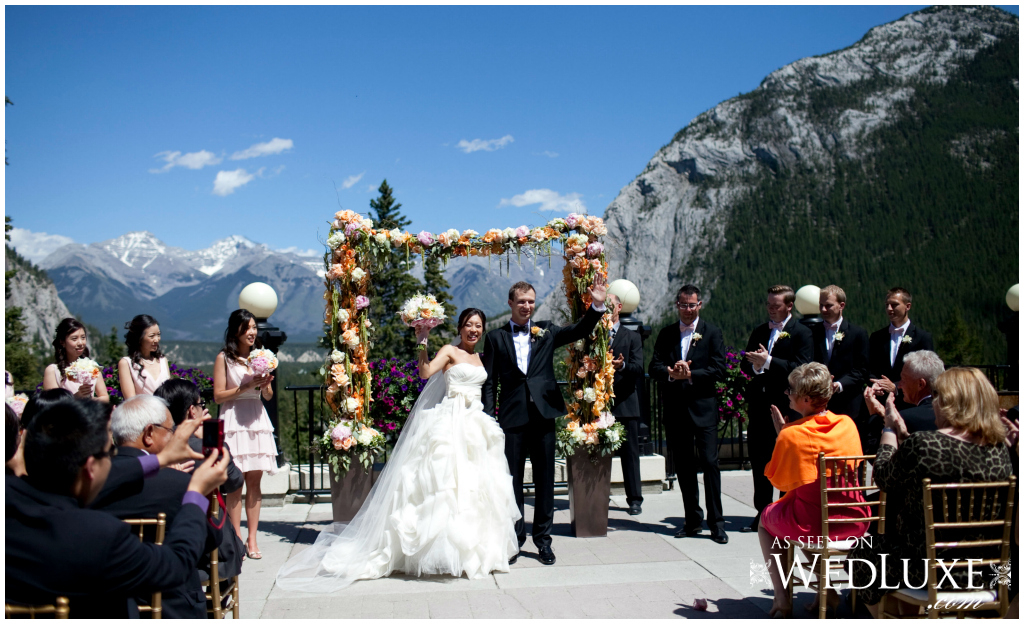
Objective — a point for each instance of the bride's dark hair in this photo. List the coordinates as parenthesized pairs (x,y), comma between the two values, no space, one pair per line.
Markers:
(469,313)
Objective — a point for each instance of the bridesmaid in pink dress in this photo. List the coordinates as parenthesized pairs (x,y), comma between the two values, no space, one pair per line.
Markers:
(69,344)
(144,368)
(247,427)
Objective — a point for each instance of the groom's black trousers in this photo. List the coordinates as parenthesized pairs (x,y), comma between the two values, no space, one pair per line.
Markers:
(536,439)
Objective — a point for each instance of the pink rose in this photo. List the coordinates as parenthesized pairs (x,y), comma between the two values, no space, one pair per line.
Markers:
(522,231)
(572,220)
(362,302)
(425,238)
(350,227)
(594,249)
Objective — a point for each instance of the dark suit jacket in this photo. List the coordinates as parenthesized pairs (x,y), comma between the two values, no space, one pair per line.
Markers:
(538,383)
(56,548)
(878,351)
(769,387)
(920,417)
(707,356)
(627,343)
(163,493)
(848,365)
(235,479)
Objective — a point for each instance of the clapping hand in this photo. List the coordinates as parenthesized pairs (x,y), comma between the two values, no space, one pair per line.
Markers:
(894,420)
(598,290)
(619,362)
(679,371)
(883,385)
(757,358)
(874,407)
(1012,430)
(778,419)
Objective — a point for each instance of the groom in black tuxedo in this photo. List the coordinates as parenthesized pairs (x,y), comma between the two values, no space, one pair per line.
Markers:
(522,393)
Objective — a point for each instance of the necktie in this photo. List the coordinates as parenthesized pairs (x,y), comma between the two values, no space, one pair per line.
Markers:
(895,330)
(833,327)
(774,325)
(685,328)
(520,329)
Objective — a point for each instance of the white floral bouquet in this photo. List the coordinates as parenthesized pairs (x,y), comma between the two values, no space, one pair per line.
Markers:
(83,371)
(262,361)
(422,311)
(18,403)
(350,439)
(600,437)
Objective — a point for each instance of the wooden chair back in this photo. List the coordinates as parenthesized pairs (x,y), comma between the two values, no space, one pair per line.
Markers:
(139,525)
(844,474)
(214,593)
(59,610)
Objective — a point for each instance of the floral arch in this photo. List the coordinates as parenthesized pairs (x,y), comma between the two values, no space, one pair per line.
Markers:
(355,248)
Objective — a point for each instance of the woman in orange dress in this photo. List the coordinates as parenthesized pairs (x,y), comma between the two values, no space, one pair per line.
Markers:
(794,470)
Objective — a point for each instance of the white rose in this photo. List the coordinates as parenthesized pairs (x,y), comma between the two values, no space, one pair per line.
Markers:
(382,238)
(342,315)
(353,341)
(351,404)
(337,356)
(365,436)
(366,224)
(611,435)
(357,274)
(508,234)
(396,237)
(589,395)
(335,240)
(453,233)
(471,233)
(578,436)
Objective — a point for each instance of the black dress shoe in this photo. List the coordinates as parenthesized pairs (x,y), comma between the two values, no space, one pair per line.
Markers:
(720,538)
(546,556)
(634,509)
(684,532)
(513,559)
(750,528)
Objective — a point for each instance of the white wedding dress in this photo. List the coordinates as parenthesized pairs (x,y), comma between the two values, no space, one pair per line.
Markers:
(442,505)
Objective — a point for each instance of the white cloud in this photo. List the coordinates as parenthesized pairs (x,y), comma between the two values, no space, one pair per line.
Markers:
(305,253)
(191,160)
(488,146)
(550,154)
(548,200)
(34,246)
(352,180)
(371,188)
(228,181)
(271,147)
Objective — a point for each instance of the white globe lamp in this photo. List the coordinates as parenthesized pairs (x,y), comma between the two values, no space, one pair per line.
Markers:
(628,294)
(1013,297)
(807,300)
(258,298)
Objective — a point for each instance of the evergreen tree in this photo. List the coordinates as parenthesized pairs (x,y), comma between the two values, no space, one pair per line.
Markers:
(959,343)
(19,357)
(435,284)
(391,285)
(110,348)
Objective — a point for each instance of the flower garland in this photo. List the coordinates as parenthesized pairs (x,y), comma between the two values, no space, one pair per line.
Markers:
(355,248)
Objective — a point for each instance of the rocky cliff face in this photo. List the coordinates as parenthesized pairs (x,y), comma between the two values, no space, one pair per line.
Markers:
(808,115)
(33,292)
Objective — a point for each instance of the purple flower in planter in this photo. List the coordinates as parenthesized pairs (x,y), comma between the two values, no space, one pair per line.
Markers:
(405,388)
(728,403)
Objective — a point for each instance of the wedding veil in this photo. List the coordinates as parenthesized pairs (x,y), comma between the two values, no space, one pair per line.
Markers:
(348,547)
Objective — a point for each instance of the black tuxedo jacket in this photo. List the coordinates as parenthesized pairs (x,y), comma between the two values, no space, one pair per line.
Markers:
(848,365)
(627,343)
(696,398)
(162,493)
(509,389)
(920,417)
(878,351)
(56,548)
(769,387)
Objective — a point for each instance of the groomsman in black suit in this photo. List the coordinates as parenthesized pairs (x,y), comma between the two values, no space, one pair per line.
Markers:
(521,388)
(843,347)
(888,346)
(628,353)
(689,359)
(789,344)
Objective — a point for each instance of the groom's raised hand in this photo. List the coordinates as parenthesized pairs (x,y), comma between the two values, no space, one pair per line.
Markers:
(598,291)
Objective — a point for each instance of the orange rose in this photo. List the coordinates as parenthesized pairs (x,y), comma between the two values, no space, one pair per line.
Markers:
(346,444)
(572,426)
(339,375)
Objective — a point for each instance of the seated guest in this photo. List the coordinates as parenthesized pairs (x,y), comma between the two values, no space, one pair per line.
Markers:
(144,368)
(185,403)
(36,404)
(968,447)
(69,344)
(142,426)
(920,370)
(794,470)
(57,547)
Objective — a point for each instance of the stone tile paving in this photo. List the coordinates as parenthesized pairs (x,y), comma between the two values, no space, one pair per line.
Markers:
(638,571)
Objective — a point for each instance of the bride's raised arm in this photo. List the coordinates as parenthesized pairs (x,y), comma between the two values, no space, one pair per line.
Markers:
(428,368)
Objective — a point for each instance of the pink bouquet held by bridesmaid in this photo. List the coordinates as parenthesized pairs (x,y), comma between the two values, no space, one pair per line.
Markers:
(262,361)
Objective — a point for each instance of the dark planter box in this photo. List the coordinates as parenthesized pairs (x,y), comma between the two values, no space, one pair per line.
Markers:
(348,493)
(590,487)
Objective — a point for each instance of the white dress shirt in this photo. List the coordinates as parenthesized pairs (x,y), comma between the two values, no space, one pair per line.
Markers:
(772,337)
(522,341)
(686,337)
(894,339)
(830,336)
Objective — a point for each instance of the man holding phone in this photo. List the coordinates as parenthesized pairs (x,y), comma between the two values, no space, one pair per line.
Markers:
(689,359)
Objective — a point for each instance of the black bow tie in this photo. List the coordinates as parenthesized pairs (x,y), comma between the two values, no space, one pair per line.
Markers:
(520,329)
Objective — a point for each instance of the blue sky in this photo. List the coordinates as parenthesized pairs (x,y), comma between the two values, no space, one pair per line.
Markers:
(197,123)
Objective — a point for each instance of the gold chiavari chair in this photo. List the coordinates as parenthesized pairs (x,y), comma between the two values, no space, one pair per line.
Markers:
(966,510)
(214,592)
(154,608)
(59,610)
(835,475)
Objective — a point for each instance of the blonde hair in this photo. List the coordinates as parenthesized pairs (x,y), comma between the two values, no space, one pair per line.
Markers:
(813,381)
(965,398)
(832,289)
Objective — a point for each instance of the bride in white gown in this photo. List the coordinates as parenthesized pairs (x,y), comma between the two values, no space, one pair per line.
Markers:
(444,502)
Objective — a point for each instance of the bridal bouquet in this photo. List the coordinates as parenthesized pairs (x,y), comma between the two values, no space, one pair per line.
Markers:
(422,311)
(349,438)
(18,403)
(262,361)
(83,371)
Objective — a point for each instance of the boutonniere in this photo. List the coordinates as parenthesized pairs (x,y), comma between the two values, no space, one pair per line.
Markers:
(537,333)
(838,337)
(905,340)
(696,338)
(782,335)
